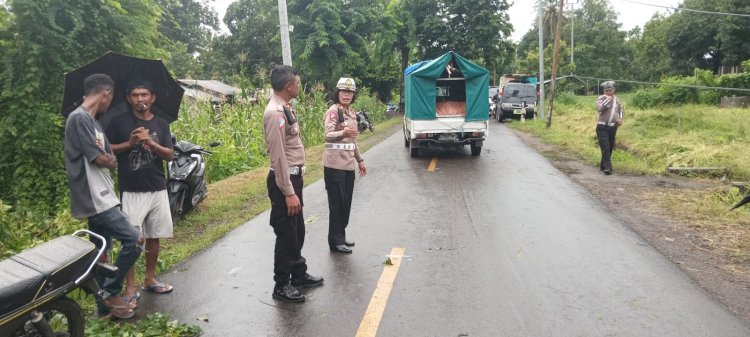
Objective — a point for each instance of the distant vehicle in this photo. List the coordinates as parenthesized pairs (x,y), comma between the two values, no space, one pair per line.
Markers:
(446,104)
(517,78)
(517,100)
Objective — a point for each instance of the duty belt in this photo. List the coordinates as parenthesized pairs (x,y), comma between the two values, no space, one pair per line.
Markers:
(296,170)
(340,146)
(608,124)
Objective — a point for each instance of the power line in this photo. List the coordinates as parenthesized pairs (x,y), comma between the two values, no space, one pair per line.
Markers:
(688,9)
(669,84)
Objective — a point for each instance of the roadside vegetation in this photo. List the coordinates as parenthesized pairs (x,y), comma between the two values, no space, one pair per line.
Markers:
(655,138)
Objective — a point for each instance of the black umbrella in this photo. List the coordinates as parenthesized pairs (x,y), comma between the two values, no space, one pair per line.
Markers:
(742,202)
(123,69)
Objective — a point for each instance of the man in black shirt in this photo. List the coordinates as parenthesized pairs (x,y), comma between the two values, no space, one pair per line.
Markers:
(142,142)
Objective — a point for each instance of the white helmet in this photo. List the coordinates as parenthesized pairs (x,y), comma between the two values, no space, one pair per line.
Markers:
(346,83)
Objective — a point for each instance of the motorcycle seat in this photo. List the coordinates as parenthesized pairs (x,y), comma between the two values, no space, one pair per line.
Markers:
(185,147)
(35,272)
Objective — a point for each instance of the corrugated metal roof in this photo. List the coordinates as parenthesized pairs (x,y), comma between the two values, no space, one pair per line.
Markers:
(199,95)
(213,85)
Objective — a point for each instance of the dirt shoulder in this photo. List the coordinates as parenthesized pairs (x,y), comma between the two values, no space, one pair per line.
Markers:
(636,201)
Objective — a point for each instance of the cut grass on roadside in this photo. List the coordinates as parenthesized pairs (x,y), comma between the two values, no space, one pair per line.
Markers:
(652,140)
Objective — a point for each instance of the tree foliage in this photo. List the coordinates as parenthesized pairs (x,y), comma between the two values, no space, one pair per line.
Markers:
(707,41)
(476,29)
(31,83)
(331,37)
(253,43)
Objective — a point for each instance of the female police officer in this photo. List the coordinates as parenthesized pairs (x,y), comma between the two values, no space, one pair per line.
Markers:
(340,158)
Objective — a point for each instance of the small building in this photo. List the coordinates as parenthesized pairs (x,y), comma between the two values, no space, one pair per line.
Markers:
(210,90)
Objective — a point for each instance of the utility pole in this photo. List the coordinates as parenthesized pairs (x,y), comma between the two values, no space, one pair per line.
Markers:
(555,61)
(286,49)
(541,57)
(572,46)
(572,4)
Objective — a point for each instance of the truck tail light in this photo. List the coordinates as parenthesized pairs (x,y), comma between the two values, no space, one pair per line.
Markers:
(421,135)
(477,134)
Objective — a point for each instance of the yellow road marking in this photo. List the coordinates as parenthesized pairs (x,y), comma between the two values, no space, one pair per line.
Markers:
(369,325)
(433,163)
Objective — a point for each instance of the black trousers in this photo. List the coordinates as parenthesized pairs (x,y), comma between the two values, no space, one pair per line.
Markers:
(606,136)
(340,188)
(290,233)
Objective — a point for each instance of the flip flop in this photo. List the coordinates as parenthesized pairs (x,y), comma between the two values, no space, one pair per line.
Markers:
(133,300)
(158,288)
(122,313)
(121,309)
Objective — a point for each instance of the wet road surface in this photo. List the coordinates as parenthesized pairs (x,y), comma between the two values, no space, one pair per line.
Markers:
(497,245)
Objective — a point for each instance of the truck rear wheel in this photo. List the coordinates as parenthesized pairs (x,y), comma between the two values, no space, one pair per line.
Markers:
(475,150)
(414,151)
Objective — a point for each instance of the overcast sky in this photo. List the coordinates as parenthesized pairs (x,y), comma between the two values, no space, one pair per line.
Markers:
(523,15)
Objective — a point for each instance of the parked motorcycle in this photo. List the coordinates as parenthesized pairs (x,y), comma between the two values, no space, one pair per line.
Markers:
(363,122)
(35,282)
(186,185)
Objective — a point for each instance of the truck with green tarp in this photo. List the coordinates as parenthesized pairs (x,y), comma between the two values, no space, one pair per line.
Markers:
(446,104)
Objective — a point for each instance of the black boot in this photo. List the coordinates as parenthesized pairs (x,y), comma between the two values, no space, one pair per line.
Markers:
(287,293)
(307,281)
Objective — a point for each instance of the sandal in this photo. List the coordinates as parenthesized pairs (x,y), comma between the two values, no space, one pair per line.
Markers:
(158,288)
(119,308)
(133,300)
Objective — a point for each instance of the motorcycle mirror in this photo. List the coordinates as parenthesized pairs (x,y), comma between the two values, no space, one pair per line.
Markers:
(214,144)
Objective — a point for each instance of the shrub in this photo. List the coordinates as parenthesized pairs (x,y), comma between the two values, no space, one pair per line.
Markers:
(646,98)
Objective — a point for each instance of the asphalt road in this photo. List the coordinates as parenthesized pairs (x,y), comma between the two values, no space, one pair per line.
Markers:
(497,245)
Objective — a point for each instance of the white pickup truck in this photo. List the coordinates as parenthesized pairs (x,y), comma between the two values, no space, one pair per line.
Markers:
(445,104)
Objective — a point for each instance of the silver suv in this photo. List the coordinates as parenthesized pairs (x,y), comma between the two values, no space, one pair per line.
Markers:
(517,99)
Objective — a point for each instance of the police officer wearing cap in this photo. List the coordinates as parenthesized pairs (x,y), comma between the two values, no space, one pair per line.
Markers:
(610,118)
(340,158)
(287,156)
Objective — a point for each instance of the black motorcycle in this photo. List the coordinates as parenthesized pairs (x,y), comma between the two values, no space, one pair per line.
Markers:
(34,285)
(363,122)
(186,185)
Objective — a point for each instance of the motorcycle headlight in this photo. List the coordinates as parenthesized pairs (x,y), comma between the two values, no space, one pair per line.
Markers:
(184,173)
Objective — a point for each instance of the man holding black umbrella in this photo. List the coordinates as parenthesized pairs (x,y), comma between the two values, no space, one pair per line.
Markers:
(88,159)
(142,141)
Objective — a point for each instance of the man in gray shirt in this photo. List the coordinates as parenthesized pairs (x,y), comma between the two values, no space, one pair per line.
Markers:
(88,159)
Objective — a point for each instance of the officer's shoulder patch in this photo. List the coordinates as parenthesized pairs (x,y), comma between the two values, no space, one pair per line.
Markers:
(281,122)
(333,115)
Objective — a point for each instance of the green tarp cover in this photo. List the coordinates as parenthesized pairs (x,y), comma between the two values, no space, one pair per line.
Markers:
(420,90)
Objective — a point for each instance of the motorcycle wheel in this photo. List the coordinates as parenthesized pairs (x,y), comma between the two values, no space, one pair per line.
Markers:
(64,316)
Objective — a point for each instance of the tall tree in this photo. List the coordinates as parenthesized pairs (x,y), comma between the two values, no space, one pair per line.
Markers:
(600,47)
(186,28)
(331,37)
(692,38)
(652,58)
(394,46)
(477,29)
(252,44)
(189,21)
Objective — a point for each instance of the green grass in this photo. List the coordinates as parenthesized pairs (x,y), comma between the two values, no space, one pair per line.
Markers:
(652,140)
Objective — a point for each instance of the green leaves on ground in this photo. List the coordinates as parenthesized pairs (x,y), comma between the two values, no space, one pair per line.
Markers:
(155,325)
